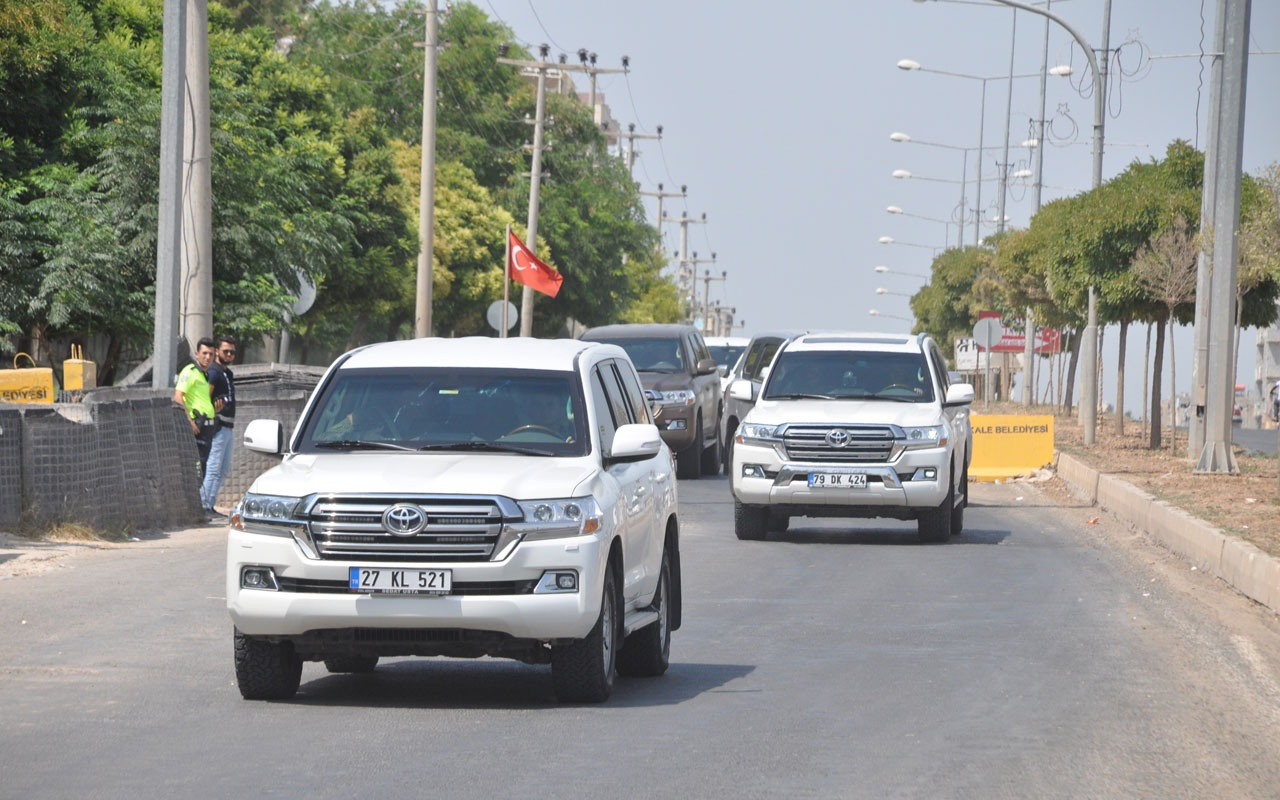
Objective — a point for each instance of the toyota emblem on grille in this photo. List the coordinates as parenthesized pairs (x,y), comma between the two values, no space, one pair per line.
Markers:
(403,519)
(838,437)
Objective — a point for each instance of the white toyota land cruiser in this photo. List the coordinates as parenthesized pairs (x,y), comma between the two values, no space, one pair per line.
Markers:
(464,498)
(854,425)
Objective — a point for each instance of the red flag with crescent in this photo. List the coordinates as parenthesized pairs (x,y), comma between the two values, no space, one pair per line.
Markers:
(526,268)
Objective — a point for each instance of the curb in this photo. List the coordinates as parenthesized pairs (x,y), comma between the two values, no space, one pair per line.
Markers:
(1241,565)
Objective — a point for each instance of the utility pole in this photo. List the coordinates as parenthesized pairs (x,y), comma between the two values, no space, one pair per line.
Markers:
(427,182)
(196,287)
(661,194)
(540,69)
(695,308)
(629,155)
(706,294)
(684,279)
(1008,109)
(164,355)
(587,62)
(1213,370)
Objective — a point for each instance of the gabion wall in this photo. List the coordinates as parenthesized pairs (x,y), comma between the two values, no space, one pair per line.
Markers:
(124,459)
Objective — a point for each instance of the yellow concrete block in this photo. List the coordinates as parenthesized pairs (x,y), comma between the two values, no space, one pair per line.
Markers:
(1009,445)
(30,385)
(78,374)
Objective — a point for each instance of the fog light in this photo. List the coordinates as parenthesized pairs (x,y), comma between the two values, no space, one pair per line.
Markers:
(678,425)
(753,471)
(930,474)
(557,582)
(258,578)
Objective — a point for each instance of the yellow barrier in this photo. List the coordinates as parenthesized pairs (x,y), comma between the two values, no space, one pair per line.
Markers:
(1009,445)
(78,374)
(29,385)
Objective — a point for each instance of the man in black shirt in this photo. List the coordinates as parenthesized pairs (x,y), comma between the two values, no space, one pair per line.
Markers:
(222,385)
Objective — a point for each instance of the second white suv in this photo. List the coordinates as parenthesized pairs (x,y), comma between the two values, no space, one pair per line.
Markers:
(461,497)
(854,425)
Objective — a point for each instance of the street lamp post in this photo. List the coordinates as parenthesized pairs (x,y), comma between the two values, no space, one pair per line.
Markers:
(1089,347)
(946,225)
(911,65)
(878,313)
(883,270)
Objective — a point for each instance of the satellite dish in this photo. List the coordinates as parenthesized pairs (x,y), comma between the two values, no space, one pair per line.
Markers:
(306,294)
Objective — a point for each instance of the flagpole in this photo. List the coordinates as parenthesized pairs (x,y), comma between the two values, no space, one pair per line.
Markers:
(506,280)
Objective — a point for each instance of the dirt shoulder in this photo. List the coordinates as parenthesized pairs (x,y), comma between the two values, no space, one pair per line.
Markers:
(1246,504)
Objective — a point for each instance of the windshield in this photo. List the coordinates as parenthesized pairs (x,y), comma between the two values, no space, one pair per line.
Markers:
(519,411)
(652,355)
(836,374)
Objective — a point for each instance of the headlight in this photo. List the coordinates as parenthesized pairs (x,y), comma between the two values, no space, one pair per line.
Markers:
(263,510)
(551,519)
(677,397)
(926,436)
(755,432)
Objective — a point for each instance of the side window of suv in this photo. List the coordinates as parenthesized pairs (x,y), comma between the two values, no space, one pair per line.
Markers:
(605,408)
(764,357)
(940,369)
(633,393)
(700,349)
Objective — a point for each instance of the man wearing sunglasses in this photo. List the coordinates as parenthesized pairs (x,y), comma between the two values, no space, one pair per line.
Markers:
(222,386)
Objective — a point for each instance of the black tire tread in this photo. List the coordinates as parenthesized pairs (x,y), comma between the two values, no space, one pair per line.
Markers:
(266,670)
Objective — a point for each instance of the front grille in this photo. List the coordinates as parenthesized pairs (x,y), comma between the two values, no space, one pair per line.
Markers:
(458,529)
(865,444)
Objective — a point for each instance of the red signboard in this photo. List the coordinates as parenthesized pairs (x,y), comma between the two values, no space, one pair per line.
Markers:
(1013,340)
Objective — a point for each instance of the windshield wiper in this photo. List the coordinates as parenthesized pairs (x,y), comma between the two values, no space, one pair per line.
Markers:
(800,396)
(359,444)
(895,398)
(486,447)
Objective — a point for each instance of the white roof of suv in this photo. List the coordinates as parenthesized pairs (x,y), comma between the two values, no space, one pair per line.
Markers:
(476,351)
(843,340)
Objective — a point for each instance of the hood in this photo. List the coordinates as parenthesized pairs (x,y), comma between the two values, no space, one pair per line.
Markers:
(665,381)
(845,412)
(520,477)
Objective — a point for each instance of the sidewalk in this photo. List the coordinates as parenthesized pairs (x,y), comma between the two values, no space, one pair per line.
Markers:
(1241,565)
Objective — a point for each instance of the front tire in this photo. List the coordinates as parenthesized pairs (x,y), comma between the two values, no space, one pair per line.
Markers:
(582,670)
(266,670)
(934,524)
(711,456)
(749,522)
(957,514)
(646,653)
(689,460)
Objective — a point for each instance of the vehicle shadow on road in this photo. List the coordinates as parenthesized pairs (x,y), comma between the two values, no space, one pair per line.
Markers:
(451,683)
(898,537)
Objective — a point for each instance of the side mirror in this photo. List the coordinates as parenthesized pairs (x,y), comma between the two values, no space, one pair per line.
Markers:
(959,394)
(265,436)
(723,370)
(706,366)
(635,442)
(743,390)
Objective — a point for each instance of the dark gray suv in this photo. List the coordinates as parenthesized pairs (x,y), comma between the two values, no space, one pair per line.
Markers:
(677,370)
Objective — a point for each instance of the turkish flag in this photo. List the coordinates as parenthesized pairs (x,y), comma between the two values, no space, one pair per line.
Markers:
(524,267)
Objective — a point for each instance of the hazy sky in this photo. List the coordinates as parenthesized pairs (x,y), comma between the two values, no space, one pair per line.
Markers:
(777,116)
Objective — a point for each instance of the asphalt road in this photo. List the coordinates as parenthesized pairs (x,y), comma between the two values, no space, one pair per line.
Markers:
(1038,655)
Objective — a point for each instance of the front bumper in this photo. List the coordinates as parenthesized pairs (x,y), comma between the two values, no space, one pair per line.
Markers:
(916,479)
(678,426)
(493,597)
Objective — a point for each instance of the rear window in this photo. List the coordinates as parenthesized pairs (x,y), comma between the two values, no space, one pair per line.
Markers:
(652,354)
